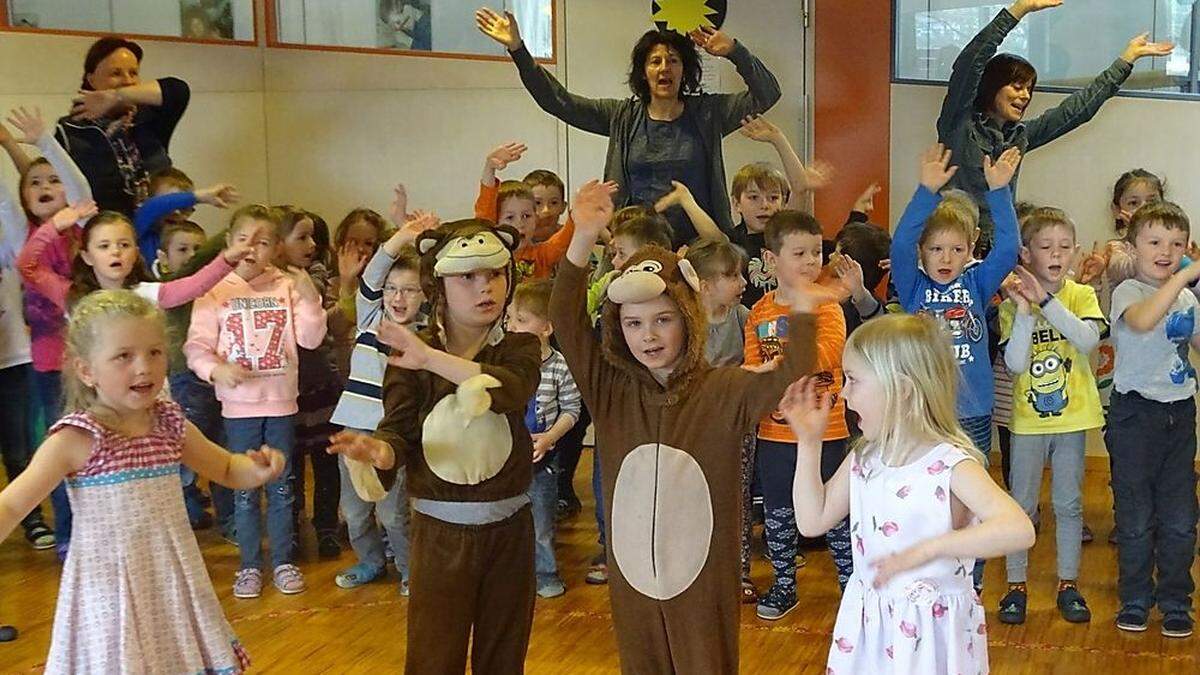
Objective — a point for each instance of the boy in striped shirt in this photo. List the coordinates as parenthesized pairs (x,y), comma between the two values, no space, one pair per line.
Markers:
(552,412)
(389,290)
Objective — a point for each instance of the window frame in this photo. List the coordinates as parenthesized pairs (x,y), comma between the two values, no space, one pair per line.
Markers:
(6,26)
(273,42)
(1047,88)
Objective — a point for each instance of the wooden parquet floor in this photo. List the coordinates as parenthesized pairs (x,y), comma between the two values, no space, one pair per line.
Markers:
(331,630)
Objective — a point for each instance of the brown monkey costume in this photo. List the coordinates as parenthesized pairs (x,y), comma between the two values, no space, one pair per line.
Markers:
(670,465)
(468,456)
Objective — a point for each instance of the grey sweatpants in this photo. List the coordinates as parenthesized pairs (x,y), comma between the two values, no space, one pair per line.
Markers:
(1029,453)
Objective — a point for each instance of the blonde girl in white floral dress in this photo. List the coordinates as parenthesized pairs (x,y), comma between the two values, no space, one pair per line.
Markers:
(922,508)
(135,596)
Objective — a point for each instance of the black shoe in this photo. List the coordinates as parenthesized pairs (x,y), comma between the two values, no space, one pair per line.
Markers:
(1132,619)
(776,604)
(7,633)
(1072,606)
(204,522)
(1087,535)
(1177,625)
(1012,607)
(328,547)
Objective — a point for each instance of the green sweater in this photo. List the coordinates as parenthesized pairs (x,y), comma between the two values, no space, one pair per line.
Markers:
(179,319)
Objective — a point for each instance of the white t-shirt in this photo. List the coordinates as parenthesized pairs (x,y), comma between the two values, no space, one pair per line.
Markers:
(14,334)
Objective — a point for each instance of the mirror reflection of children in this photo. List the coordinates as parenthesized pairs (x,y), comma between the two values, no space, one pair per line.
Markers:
(404,25)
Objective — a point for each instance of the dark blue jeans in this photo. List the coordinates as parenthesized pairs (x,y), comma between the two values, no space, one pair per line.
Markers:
(251,433)
(1152,447)
(50,404)
(201,407)
(15,447)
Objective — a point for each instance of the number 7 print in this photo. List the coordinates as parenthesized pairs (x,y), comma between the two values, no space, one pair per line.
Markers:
(246,349)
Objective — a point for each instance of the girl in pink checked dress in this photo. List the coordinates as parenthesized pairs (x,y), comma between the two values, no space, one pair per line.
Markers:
(922,508)
(135,596)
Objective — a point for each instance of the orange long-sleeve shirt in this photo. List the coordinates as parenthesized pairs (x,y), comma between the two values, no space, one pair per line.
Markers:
(766,333)
(536,260)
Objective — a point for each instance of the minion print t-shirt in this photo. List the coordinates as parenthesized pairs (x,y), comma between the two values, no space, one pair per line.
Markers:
(1155,363)
(1057,393)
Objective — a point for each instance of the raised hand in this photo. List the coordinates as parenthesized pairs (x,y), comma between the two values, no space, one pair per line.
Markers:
(499,158)
(408,350)
(1022,7)
(935,167)
(1001,172)
(759,128)
(851,273)
(229,375)
(1011,288)
(362,447)
(679,194)
(713,41)
(592,207)
(1030,287)
(866,201)
(1092,265)
(501,28)
(398,211)
(807,410)
(1141,46)
(31,125)
(267,464)
(90,105)
(351,260)
(238,250)
(422,221)
(221,195)
(68,216)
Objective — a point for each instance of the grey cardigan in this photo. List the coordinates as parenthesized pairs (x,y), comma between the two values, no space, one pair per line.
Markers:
(970,134)
(717,116)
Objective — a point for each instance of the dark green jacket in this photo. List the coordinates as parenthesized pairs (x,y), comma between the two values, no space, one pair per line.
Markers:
(970,134)
(717,115)
(179,319)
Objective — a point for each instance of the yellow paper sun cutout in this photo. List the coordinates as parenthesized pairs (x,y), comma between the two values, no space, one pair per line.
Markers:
(684,16)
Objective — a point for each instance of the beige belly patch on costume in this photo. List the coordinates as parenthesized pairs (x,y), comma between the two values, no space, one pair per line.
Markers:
(662,520)
(464,442)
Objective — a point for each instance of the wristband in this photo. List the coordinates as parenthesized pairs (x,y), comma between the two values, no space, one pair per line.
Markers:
(1045,301)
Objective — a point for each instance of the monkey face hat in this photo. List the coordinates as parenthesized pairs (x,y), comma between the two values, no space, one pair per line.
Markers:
(652,272)
(462,247)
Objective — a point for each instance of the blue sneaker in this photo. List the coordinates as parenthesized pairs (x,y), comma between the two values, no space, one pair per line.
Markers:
(357,575)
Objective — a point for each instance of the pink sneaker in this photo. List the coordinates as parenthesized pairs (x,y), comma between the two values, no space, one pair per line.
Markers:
(289,580)
(247,584)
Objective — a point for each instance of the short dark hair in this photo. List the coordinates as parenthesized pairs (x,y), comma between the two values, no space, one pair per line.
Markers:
(1167,214)
(868,244)
(1130,178)
(173,177)
(1001,71)
(169,232)
(371,218)
(545,178)
(645,230)
(101,49)
(789,221)
(408,260)
(687,53)
(513,189)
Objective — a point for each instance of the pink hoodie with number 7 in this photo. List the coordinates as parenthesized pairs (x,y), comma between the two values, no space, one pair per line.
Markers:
(257,324)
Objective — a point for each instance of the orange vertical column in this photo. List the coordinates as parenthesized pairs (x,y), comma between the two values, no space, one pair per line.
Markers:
(852,46)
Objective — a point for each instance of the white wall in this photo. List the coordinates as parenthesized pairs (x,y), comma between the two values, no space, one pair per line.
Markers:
(1077,171)
(332,131)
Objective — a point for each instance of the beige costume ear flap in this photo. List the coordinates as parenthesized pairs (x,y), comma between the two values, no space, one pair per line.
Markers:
(689,274)
(636,286)
(428,241)
(365,481)
(509,235)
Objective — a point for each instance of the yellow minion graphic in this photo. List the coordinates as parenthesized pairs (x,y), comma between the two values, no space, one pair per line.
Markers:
(1048,383)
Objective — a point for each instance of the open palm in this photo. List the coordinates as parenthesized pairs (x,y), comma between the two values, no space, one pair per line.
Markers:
(500,27)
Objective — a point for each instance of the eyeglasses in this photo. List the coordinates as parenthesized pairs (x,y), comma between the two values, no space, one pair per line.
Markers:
(407,291)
